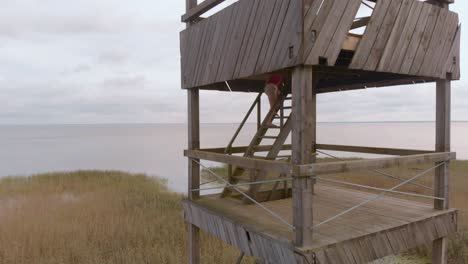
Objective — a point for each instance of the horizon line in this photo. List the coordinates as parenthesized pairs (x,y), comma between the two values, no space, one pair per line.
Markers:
(218,123)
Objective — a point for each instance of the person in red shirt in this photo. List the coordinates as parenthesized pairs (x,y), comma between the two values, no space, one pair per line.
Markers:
(272,90)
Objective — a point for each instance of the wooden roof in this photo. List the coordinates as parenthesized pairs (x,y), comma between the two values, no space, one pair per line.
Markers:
(408,39)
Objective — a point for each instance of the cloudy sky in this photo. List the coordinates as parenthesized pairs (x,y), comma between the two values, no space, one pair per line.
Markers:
(117,61)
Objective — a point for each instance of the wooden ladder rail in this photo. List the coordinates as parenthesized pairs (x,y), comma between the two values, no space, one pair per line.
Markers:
(256,140)
(246,117)
(228,149)
(272,154)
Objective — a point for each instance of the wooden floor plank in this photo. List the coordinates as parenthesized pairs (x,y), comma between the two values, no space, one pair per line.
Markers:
(378,229)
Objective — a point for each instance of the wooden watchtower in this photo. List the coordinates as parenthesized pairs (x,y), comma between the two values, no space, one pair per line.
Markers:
(291,217)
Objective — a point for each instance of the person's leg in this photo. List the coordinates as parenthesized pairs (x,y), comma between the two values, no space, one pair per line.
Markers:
(272,92)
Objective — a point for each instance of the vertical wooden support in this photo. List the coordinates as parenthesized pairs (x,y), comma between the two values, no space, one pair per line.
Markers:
(193,103)
(303,150)
(441,181)
(193,171)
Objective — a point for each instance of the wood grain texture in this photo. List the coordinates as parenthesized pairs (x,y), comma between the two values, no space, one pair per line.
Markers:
(427,11)
(403,19)
(195,10)
(255,37)
(193,232)
(272,154)
(328,24)
(379,163)
(384,227)
(442,173)
(409,37)
(385,29)
(250,37)
(395,54)
(370,35)
(304,108)
(249,241)
(453,60)
(248,163)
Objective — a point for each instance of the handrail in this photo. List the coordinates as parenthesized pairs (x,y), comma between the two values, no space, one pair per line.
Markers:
(378,171)
(203,7)
(234,137)
(275,215)
(378,196)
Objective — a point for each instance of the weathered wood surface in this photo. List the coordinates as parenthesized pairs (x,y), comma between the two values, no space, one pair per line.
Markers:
(244,162)
(248,240)
(384,227)
(193,115)
(373,150)
(248,38)
(357,149)
(195,12)
(329,23)
(350,80)
(442,174)
(381,163)
(322,168)
(271,155)
(259,137)
(254,37)
(410,37)
(303,137)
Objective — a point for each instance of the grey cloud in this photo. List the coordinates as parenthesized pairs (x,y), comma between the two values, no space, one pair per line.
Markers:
(13,27)
(115,61)
(113,57)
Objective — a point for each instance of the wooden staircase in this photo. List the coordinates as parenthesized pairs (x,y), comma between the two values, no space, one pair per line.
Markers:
(281,116)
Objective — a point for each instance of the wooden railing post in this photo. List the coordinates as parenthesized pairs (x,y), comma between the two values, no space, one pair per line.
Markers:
(441,180)
(303,149)
(193,109)
(193,172)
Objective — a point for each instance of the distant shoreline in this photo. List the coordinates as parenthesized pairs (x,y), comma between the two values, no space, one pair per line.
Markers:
(227,123)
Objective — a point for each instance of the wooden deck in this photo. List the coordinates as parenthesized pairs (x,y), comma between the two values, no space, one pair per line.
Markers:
(383,227)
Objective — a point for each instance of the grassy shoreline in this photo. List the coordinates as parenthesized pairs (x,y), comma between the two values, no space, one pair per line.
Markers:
(108,217)
(95,217)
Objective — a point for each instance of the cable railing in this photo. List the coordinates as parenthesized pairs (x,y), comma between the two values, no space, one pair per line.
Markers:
(383,191)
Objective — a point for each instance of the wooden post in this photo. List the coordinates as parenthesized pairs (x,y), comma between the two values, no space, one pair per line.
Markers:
(303,150)
(193,108)
(441,180)
(193,171)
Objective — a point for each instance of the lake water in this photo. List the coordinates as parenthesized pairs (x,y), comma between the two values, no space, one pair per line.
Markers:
(158,149)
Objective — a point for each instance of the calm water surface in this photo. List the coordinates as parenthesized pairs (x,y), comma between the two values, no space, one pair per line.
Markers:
(158,149)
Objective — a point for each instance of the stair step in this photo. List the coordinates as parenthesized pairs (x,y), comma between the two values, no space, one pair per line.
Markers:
(288,98)
(287,107)
(270,137)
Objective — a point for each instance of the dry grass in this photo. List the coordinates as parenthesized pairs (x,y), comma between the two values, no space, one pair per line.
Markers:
(95,217)
(112,217)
